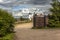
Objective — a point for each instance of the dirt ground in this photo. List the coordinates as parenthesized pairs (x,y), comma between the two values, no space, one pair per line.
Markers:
(24,26)
(23,32)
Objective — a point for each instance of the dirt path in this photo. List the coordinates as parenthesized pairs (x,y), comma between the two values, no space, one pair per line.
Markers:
(25,25)
(23,33)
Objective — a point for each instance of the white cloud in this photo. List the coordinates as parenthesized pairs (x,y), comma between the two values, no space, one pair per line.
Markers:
(7,1)
(10,3)
(1,1)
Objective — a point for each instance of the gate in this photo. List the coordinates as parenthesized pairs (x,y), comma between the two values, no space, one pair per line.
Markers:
(40,20)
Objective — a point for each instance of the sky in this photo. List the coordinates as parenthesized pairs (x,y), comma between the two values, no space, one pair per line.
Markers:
(17,4)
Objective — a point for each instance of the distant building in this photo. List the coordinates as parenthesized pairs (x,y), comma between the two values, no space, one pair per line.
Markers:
(28,13)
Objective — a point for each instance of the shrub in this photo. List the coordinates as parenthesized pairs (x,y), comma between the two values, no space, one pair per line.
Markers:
(54,19)
(6,23)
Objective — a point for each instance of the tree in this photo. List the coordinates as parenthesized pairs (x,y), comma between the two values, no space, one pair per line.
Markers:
(6,22)
(54,19)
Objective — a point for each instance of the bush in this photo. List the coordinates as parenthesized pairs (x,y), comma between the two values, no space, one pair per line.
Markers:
(6,23)
(54,19)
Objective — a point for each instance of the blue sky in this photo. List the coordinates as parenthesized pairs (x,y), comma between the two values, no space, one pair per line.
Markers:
(21,6)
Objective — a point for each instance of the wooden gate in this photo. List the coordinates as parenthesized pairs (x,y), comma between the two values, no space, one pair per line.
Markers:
(40,20)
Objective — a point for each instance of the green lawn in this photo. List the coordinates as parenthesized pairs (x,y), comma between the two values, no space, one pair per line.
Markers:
(22,22)
(8,37)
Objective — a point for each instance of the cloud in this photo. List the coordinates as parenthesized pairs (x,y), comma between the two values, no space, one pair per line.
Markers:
(1,0)
(33,3)
(9,3)
(39,2)
(5,1)
(18,2)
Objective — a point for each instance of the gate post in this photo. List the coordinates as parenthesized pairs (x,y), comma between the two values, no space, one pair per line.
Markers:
(44,20)
(34,20)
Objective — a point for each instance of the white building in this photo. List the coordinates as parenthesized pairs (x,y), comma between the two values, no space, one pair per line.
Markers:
(27,12)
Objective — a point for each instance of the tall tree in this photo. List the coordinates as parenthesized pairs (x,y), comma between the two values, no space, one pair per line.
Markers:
(54,19)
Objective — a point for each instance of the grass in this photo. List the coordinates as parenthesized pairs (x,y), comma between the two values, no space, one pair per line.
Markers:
(45,27)
(8,37)
(22,22)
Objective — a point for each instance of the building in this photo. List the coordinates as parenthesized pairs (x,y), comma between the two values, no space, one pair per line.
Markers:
(27,12)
